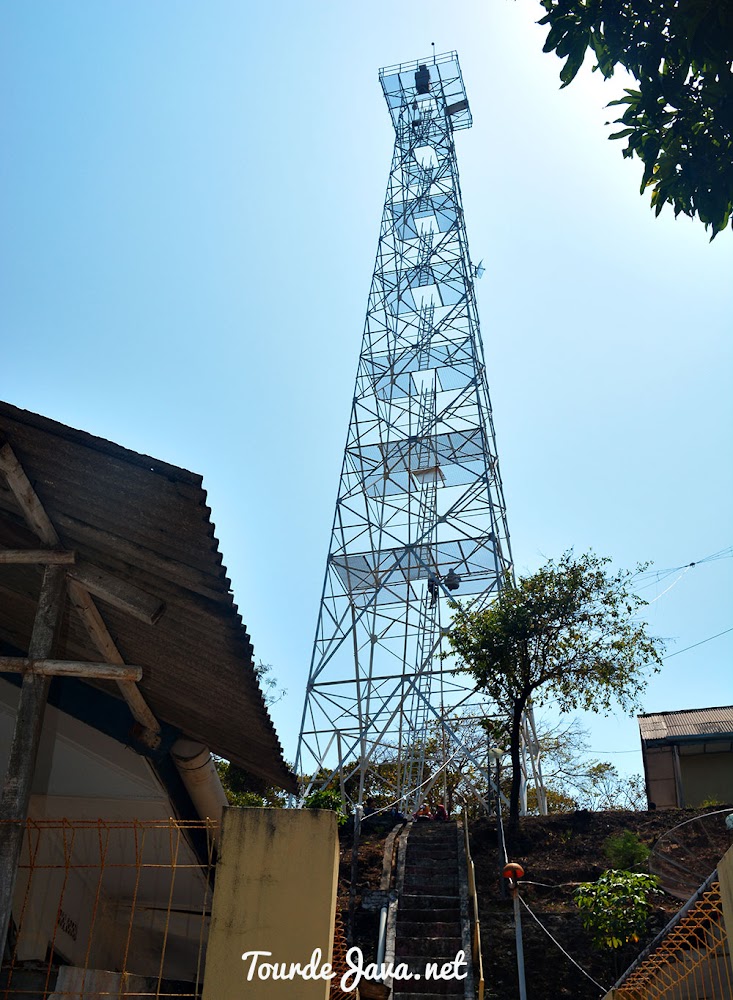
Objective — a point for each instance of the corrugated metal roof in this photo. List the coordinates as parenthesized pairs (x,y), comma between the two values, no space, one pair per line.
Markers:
(146,522)
(690,722)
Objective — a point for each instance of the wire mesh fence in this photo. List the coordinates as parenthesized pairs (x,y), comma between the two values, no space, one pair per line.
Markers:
(110,909)
(691,962)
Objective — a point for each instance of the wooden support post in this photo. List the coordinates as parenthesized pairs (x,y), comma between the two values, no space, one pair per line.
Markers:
(16,791)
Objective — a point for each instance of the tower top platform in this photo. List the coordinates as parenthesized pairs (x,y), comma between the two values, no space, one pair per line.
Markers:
(435,78)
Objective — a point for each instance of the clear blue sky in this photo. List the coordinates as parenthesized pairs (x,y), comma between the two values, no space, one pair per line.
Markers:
(190,197)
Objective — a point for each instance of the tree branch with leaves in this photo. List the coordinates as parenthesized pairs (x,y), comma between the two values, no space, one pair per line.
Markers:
(679,122)
(568,633)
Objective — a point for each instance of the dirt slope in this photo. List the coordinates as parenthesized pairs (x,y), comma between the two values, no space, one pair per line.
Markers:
(555,850)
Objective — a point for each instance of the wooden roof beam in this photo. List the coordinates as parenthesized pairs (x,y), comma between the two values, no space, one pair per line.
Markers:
(37,557)
(120,594)
(107,587)
(70,668)
(31,506)
(103,641)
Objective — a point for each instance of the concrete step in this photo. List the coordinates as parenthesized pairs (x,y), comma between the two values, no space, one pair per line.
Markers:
(446,915)
(433,831)
(434,948)
(424,996)
(428,873)
(431,987)
(432,859)
(428,901)
(439,927)
(444,883)
(433,845)
(431,871)
(429,863)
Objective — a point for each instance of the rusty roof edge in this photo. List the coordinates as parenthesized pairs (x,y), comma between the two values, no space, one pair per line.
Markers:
(121,453)
(651,742)
(100,444)
(252,681)
(684,711)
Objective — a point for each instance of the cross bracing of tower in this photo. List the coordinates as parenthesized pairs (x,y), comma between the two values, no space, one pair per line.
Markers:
(420,519)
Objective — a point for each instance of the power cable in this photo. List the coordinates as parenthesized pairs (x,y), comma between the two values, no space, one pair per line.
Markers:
(700,643)
(672,584)
(657,576)
(537,920)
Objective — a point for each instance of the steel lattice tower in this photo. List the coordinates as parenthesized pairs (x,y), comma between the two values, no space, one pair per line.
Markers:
(420,516)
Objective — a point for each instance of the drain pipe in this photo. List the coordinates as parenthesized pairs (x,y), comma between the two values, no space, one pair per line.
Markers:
(198,773)
(382,939)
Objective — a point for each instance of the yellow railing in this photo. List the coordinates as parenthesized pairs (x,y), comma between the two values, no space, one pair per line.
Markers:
(478,962)
(110,907)
(691,961)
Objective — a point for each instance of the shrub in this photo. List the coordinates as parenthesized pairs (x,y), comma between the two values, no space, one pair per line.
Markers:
(614,910)
(625,851)
(327,798)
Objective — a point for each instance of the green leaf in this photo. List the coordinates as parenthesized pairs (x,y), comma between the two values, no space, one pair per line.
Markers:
(573,64)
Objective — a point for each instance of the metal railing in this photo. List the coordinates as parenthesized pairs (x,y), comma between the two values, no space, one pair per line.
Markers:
(690,960)
(109,908)
(478,962)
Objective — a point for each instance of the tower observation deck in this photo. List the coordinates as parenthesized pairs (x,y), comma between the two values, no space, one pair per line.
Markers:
(420,518)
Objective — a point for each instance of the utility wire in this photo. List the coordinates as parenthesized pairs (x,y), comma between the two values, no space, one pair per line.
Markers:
(672,584)
(700,643)
(656,576)
(537,920)
(713,557)
(503,837)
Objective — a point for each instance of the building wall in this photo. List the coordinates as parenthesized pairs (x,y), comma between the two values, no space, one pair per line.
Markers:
(704,772)
(661,786)
(707,777)
(275,892)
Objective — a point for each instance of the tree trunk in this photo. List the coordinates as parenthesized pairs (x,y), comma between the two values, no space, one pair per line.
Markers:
(514,749)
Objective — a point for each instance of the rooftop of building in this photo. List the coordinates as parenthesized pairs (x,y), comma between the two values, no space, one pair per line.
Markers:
(140,527)
(687,724)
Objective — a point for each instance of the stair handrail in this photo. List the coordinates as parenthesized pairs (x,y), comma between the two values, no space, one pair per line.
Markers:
(478,963)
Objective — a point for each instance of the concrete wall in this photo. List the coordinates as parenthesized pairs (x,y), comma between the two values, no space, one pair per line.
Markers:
(707,777)
(660,777)
(688,775)
(275,891)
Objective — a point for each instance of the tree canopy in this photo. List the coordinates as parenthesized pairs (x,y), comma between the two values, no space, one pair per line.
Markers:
(567,633)
(680,120)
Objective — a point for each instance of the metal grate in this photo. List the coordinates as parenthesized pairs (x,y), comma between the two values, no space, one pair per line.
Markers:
(110,908)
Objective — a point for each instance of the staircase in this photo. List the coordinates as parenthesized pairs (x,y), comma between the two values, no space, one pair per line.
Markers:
(432,922)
